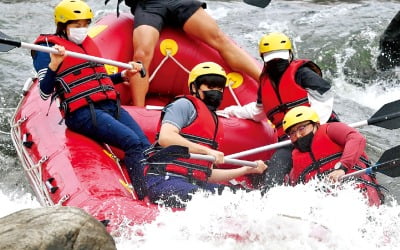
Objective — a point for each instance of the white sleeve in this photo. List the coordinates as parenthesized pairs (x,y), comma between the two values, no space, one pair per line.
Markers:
(251,111)
(322,104)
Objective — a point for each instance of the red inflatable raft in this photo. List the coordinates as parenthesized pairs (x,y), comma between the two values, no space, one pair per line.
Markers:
(69,169)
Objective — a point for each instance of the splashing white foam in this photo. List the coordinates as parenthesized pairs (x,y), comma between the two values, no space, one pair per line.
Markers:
(298,217)
(12,203)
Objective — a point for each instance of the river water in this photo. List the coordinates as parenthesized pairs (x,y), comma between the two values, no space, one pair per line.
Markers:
(342,38)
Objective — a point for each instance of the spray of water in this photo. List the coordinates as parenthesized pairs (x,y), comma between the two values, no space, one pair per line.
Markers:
(303,217)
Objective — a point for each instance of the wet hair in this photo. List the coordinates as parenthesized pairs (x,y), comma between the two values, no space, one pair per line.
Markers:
(61,29)
(212,81)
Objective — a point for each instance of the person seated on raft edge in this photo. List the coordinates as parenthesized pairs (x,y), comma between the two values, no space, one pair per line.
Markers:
(331,150)
(191,121)
(285,83)
(189,15)
(88,101)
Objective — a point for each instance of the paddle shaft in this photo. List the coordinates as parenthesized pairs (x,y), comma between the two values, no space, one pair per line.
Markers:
(6,40)
(358,173)
(373,120)
(77,55)
(383,167)
(227,161)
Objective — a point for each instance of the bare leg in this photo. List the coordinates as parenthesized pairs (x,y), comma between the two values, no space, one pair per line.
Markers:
(204,27)
(145,38)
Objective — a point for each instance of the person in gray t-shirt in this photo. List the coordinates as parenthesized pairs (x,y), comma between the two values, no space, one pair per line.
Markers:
(190,121)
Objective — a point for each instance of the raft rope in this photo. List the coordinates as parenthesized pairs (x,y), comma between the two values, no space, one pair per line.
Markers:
(233,94)
(168,55)
(62,200)
(37,171)
(20,121)
(36,176)
(17,124)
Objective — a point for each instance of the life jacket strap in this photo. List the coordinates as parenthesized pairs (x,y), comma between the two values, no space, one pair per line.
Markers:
(284,107)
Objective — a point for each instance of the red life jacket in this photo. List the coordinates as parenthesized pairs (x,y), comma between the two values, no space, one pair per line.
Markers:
(79,82)
(277,100)
(323,156)
(204,130)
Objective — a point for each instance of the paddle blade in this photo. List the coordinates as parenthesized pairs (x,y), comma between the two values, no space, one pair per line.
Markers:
(388,116)
(169,154)
(390,168)
(7,43)
(258,3)
(389,162)
(390,154)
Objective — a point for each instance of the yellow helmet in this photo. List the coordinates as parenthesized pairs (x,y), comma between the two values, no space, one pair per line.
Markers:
(69,10)
(205,68)
(297,115)
(275,45)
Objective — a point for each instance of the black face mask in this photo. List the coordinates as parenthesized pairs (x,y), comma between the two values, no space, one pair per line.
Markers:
(304,143)
(276,68)
(212,98)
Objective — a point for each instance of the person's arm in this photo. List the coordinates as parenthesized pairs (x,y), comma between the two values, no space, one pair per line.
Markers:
(180,114)
(224,175)
(320,93)
(117,78)
(177,115)
(253,111)
(46,71)
(125,74)
(353,144)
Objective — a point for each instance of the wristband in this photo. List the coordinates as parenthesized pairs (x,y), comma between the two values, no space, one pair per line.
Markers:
(339,165)
(123,76)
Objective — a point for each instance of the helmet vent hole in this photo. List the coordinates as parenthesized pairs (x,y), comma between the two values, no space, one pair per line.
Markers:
(298,115)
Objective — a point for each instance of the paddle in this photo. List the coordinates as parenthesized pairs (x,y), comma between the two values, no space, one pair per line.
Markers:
(172,152)
(258,3)
(7,43)
(388,116)
(388,164)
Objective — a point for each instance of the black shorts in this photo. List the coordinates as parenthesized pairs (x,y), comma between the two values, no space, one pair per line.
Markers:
(158,13)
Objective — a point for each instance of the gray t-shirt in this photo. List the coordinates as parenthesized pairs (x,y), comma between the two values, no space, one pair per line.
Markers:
(180,113)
